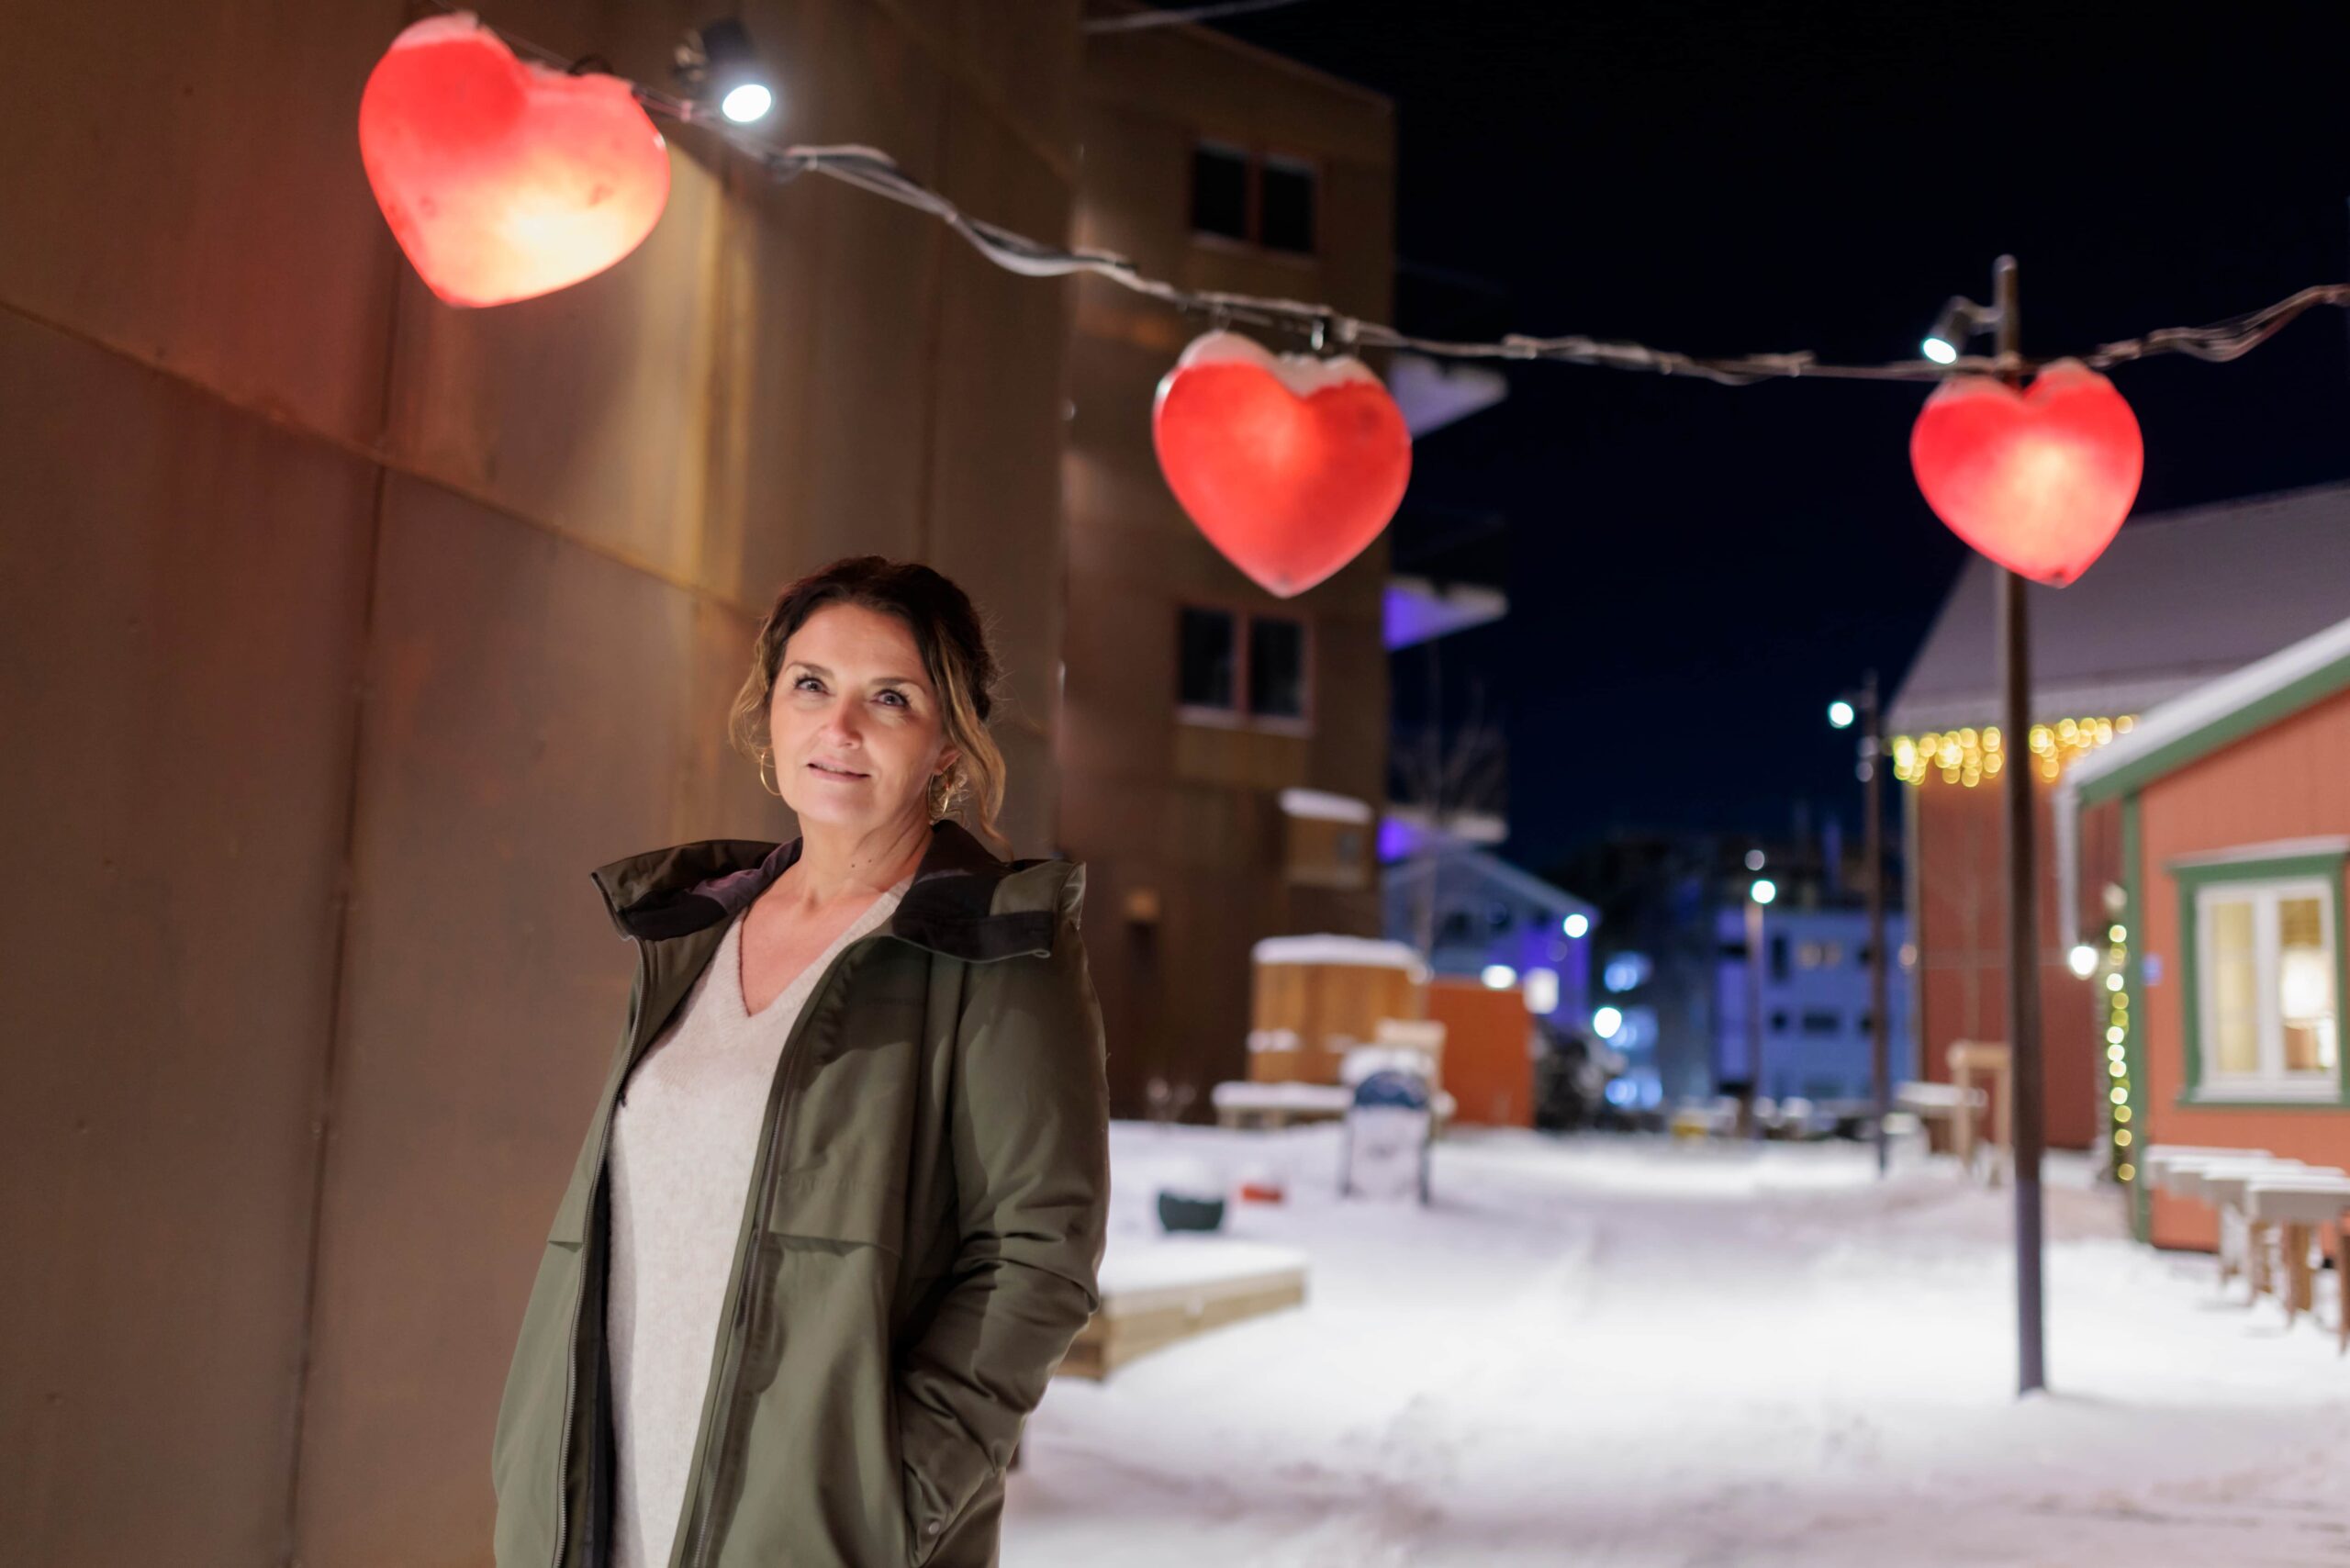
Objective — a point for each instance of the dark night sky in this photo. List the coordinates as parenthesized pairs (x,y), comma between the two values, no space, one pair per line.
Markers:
(1695,570)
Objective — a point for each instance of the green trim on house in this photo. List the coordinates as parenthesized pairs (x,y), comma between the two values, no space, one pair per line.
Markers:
(2191,879)
(2220,730)
(2133,1034)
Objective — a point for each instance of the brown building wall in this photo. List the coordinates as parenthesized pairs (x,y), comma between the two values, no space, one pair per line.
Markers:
(1179,821)
(2281,782)
(1957,859)
(345,632)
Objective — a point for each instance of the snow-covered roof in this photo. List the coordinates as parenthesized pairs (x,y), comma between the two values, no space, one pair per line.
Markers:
(2217,713)
(2195,725)
(1492,867)
(2177,600)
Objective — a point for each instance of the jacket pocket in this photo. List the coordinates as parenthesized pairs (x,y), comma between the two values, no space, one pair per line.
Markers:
(944,1470)
(830,1205)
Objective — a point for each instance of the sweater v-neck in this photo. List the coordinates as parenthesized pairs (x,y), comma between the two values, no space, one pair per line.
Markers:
(869,917)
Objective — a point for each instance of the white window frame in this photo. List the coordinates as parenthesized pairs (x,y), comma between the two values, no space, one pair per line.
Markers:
(2271,1081)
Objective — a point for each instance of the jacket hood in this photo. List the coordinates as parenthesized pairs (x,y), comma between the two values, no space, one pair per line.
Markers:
(964,902)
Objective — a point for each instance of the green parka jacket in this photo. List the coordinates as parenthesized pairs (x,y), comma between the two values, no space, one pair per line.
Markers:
(919,1244)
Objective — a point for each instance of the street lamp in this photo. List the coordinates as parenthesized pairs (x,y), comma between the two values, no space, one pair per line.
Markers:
(1864,708)
(1759,892)
(716,63)
(1960,319)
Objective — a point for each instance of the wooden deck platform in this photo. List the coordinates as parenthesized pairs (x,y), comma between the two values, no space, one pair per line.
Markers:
(1155,1292)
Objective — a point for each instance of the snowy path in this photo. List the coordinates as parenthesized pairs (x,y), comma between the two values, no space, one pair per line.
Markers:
(1618,1352)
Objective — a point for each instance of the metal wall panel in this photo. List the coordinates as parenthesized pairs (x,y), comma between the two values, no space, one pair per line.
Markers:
(181,589)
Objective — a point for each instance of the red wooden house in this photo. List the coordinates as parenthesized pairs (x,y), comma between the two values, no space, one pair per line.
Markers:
(2210,880)
(2179,600)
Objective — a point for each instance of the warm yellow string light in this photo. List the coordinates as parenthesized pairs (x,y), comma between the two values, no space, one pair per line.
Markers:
(2117,1035)
(1967,757)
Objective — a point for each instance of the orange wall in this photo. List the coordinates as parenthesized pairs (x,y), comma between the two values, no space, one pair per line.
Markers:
(1959,859)
(2290,780)
(1488,1064)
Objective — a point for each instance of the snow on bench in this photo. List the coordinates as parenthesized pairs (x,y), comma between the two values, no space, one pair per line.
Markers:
(1237,1101)
(1156,1291)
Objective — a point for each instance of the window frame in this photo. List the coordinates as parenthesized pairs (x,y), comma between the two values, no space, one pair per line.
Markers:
(1202,141)
(1240,716)
(1255,154)
(2266,879)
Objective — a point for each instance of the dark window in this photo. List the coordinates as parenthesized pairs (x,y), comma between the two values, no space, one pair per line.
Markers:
(1455,929)
(1778,957)
(1276,668)
(1249,665)
(1865,954)
(1818,1023)
(1865,1021)
(1778,1023)
(1734,950)
(1206,658)
(1220,190)
(1288,206)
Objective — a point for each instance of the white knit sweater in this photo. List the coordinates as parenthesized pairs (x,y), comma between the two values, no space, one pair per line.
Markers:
(683,1141)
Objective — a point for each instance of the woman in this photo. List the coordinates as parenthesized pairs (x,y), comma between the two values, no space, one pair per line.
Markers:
(840,1210)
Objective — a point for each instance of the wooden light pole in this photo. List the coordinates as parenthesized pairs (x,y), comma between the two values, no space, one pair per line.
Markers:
(2024,1073)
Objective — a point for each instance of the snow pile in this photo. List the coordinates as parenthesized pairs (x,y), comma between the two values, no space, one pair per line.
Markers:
(1628,1352)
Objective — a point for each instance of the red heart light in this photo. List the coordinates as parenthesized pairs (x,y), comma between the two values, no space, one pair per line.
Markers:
(1290,464)
(501,180)
(2039,481)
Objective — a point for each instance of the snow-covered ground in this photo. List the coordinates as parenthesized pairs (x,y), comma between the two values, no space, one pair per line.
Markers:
(1615,1352)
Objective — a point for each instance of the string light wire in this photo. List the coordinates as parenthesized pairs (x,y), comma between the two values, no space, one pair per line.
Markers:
(873,170)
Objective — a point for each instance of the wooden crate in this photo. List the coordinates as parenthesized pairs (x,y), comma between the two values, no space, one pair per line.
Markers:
(1329,1003)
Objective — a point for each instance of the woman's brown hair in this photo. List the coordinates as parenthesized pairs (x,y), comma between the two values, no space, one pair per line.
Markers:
(954,647)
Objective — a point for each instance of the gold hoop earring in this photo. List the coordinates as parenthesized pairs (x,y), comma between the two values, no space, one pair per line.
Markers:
(765,756)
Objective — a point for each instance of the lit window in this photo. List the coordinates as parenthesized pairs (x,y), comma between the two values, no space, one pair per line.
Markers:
(2264,981)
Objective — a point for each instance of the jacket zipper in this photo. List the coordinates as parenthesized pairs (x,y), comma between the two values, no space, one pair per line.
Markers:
(586,1261)
(718,1401)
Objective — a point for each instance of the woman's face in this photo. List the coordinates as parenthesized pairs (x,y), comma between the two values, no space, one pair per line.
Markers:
(857,728)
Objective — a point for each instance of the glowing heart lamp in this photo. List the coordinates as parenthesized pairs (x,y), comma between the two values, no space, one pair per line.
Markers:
(503,180)
(2040,481)
(1288,464)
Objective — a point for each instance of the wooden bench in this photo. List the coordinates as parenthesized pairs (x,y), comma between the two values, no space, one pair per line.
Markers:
(1158,1292)
(2302,1203)
(1940,1107)
(1240,1103)
(2221,1183)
